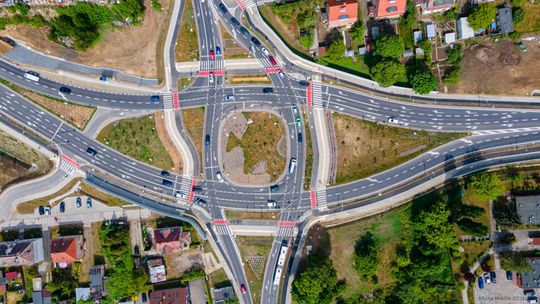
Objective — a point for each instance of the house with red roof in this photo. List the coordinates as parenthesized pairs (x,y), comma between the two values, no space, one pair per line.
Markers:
(67,249)
(341,12)
(169,240)
(176,295)
(389,9)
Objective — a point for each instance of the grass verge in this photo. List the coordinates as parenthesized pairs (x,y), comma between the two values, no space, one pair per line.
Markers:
(366,148)
(19,162)
(194,123)
(531,23)
(187,43)
(161,44)
(309,153)
(84,190)
(249,79)
(74,114)
(242,215)
(138,138)
(254,247)
(260,143)
(231,49)
(184,82)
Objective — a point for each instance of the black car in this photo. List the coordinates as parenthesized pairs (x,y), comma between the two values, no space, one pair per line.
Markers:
(197,189)
(303,83)
(136,251)
(244,31)
(62,207)
(41,210)
(235,21)
(201,202)
(274,188)
(167,183)
(207,140)
(65,90)
(91,151)
(493,277)
(144,297)
(268,90)
(509,276)
(222,7)
(255,41)
(299,137)
(165,173)
(9,41)
(88,202)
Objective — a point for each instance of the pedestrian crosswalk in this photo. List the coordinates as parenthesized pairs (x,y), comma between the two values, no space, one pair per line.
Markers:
(285,231)
(185,186)
(167,101)
(321,198)
(223,230)
(245,4)
(265,63)
(68,164)
(212,65)
(317,95)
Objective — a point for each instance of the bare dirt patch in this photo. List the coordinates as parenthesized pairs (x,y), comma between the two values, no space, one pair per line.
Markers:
(180,262)
(194,123)
(365,148)
(252,147)
(132,50)
(167,142)
(499,68)
(231,49)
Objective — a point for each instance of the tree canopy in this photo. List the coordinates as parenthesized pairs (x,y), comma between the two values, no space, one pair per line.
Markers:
(487,185)
(435,227)
(424,82)
(366,256)
(387,72)
(514,261)
(357,32)
(389,46)
(482,16)
(317,283)
(336,50)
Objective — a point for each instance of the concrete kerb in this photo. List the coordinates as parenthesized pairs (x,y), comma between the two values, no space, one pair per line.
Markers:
(222,141)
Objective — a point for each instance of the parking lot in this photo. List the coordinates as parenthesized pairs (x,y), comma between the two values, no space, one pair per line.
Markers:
(502,292)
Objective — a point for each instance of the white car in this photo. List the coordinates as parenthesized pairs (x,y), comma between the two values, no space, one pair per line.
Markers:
(229,97)
(295,109)
(180,194)
(280,73)
(265,51)
(219,177)
(393,121)
(211,78)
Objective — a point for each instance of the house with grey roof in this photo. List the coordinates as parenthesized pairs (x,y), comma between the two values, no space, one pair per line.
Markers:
(430,31)
(531,279)
(21,253)
(528,209)
(505,20)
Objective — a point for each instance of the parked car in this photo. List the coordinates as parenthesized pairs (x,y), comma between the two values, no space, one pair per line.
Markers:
(78,202)
(265,51)
(88,202)
(62,207)
(493,277)
(65,90)
(532,300)
(509,276)
(136,251)
(393,121)
(272,60)
(207,140)
(480,283)
(274,188)
(144,297)
(9,41)
(486,278)
(268,90)
(155,98)
(219,176)
(41,210)
(211,54)
(165,173)
(529,292)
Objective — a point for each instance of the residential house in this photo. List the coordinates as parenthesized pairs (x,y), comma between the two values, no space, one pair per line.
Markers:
(156,270)
(431,32)
(528,209)
(505,20)
(97,282)
(222,295)
(389,9)
(464,30)
(434,6)
(19,253)
(197,292)
(67,249)
(341,12)
(169,240)
(176,295)
(450,38)
(531,279)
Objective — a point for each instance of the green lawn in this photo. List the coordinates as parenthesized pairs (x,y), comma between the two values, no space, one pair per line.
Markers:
(309,154)
(137,137)
(187,43)
(254,246)
(531,24)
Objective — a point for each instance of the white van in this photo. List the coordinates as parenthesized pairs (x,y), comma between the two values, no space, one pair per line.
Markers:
(272,204)
(292,165)
(32,76)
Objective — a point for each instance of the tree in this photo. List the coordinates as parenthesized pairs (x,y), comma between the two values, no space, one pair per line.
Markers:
(514,261)
(508,238)
(454,55)
(317,283)
(387,72)
(482,16)
(435,227)
(357,32)
(426,46)
(487,185)
(471,227)
(505,215)
(389,46)
(519,15)
(518,2)
(366,256)
(306,39)
(453,75)
(336,50)
(424,82)
(307,19)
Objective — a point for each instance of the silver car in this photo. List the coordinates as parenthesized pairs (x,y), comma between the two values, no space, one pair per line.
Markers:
(219,177)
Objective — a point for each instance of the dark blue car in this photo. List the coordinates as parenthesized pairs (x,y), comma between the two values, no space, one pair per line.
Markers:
(222,7)
(235,21)
(493,277)
(480,283)
(155,98)
(218,50)
(207,140)
(509,275)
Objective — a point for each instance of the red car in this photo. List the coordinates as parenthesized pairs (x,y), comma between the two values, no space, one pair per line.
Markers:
(272,60)
(212,57)
(243,288)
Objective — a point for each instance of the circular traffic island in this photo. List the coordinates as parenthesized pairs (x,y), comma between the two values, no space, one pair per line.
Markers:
(254,149)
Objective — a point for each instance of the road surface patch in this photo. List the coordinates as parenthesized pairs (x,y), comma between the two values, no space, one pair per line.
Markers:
(215,72)
(176,101)
(70,160)
(313,199)
(309,95)
(191,192)
(219,222)
(242,6)
(286,224)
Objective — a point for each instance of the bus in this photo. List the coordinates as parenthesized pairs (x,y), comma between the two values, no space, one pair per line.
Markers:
(32,76)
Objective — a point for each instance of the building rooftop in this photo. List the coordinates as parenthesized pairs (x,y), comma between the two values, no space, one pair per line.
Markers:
(417,36)
(169,296)
(528,209)
(66,249)
(430,30)
(450,37)
(464,30)
(505,20)
(531,279)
